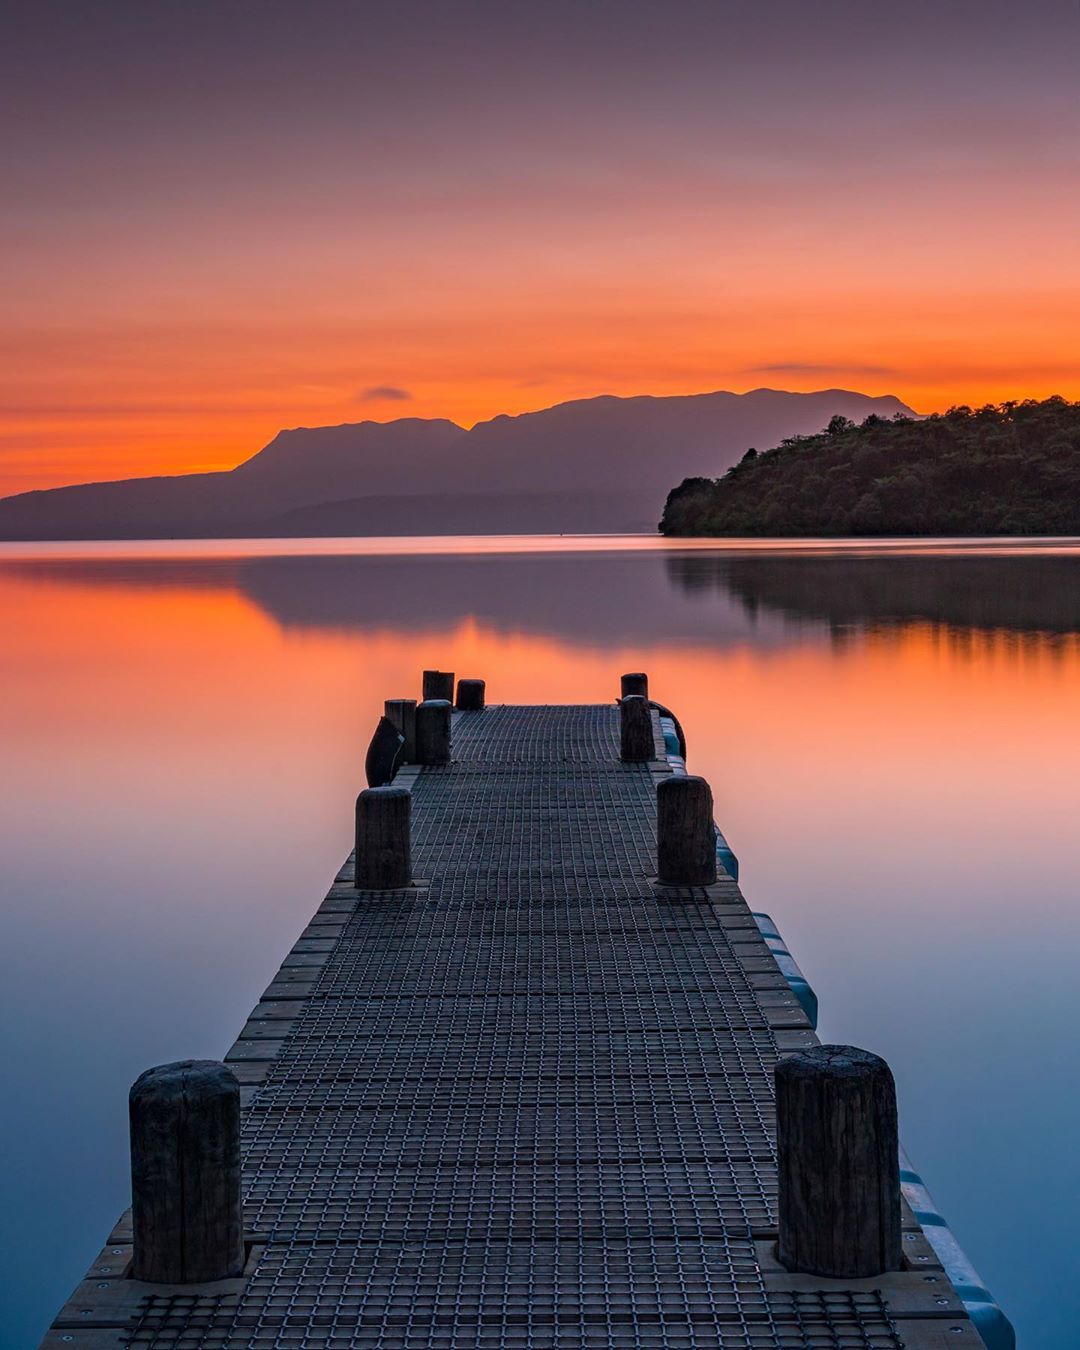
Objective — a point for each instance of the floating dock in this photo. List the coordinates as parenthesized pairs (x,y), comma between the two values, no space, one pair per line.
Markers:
(526,1101)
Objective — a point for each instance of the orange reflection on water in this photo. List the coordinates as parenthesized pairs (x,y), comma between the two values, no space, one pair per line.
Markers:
(184,735)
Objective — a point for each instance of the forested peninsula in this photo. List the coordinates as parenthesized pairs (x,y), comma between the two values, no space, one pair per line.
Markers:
(1009,468)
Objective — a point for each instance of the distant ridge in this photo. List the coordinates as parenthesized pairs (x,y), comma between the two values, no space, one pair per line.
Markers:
(601,464)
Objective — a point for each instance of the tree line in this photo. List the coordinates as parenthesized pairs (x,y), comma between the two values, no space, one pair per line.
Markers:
(1006,468)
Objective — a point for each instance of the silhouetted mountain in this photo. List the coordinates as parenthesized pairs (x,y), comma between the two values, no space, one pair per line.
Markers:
(600,464)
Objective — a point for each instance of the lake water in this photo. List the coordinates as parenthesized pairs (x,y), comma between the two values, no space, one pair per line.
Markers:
(892,733)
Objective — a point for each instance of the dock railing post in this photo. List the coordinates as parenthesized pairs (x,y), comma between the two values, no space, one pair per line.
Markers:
(383,845)
(637,682)
(685,833)
(185,1173)
(838,1160)
(470,695)
(635,730)
(402,712)
(433,731)
(438,684)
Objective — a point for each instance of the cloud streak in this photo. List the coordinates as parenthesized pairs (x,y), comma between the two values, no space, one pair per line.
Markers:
(383,393)
(821,368)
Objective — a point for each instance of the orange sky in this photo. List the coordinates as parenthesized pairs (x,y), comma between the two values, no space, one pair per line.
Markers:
(218,231)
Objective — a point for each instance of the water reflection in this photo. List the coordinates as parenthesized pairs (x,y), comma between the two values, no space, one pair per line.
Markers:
(1031,595)
(891,735)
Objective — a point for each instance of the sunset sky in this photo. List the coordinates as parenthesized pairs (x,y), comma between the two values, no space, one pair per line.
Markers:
(226,218)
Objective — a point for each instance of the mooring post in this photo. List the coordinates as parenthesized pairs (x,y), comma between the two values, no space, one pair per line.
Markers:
(402,712)
(438,684)
(635,683)
(185,1173)
(685,833)
(383,845)
(384,754)
(433,731)
(838,1158)
(635,730)
(470,695)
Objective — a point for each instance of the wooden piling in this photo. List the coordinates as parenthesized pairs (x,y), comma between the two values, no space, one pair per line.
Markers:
(470,695)
(384,753)
(402,712)
(383,845)
(685,833)
(433,731)
(438,684)
(185,1173)
(635,730)
(837,1154)
(637,682)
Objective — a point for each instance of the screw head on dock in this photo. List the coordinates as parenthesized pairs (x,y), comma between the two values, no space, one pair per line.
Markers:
(383,839)
(637,682)
(685,833)
(635,730)
(838,1162)
(185,1173)
(470,695)
(433,731)
(438,684)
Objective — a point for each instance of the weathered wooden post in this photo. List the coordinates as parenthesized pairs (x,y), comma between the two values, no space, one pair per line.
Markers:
(438,684)
(433,731)
(635,683)
(685,833)
(384,753)
(402,712)
(383,847)
(838,1156)
(470,695)
(185,1173)
(635,729)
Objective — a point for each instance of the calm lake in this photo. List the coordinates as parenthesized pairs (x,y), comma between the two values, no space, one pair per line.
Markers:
(892,733)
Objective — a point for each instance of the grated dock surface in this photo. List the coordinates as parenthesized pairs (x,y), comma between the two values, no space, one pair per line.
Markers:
(525,1105)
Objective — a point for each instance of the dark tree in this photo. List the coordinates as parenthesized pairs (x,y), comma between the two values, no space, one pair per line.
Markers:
(1011,468)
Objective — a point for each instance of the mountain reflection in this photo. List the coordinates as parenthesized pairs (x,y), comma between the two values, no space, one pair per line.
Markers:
(720,597)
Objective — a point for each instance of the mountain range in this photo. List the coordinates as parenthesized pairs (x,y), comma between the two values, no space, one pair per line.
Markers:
(591,465)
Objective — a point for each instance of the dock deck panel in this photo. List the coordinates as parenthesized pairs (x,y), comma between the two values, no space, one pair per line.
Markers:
(526,1103)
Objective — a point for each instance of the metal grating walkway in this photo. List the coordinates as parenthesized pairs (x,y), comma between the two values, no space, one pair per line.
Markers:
(525,1105)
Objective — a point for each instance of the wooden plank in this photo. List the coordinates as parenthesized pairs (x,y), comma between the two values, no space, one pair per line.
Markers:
(259,1048)
(108,1297)
(260,1028)
(249,1075)
(909,1293)
(790,1041)
(950,1333)
(288,985)
(276,1009)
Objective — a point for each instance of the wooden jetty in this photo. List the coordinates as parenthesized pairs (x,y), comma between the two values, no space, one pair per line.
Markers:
(519,1092)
